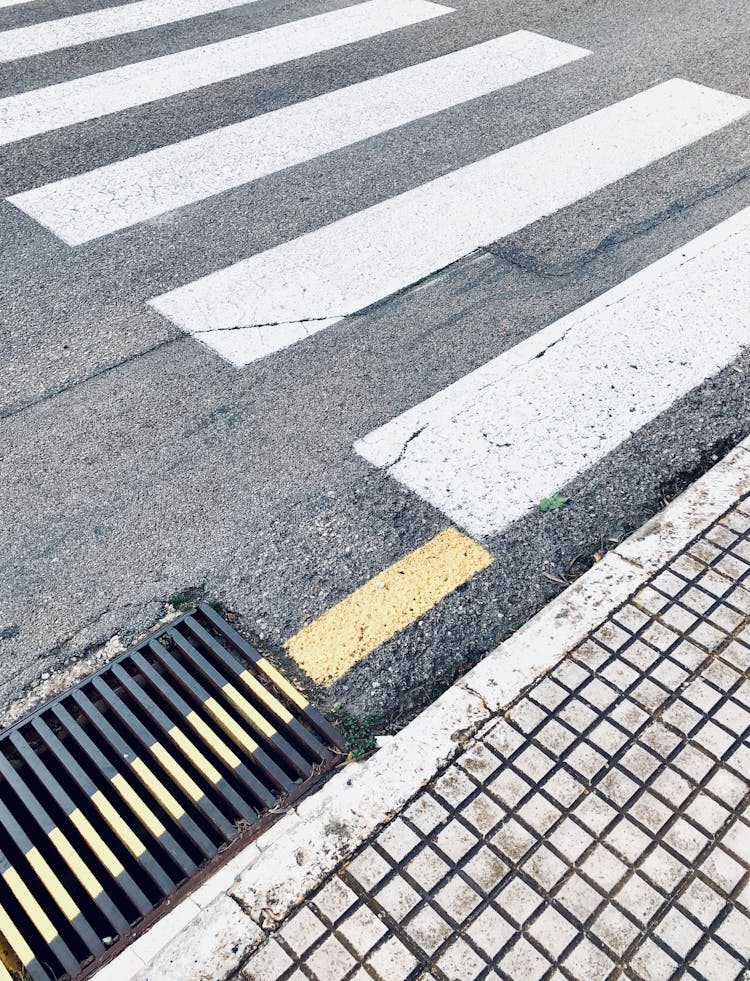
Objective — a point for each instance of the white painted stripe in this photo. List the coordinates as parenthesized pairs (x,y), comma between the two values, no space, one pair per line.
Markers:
(349,264)
(66,32)
(41,110)
(90,205)
(253,343)
(13,3)
(488,448)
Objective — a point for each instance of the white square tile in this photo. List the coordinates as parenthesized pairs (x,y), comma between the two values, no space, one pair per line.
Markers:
(302,930)
(553,931)
(362,929)
(714,962)
(392,960)
(490,931)
(679,933)
(334,899)
(523,961)
(457,899)
(331,961)
(460,962)
(518,901)
(615,930)
(428,929)
(587,963)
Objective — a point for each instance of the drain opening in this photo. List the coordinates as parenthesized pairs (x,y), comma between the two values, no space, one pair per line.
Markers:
(118,792)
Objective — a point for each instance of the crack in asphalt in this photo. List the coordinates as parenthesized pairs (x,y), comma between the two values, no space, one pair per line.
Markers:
(270,323)
(540,354)
(403,449)
(15,410)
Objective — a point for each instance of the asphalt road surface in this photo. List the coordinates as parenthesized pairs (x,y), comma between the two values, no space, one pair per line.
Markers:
(243,244)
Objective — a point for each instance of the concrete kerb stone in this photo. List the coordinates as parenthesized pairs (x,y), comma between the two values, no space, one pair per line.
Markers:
(218,938)
(537,646)
(703,502)
(268,879)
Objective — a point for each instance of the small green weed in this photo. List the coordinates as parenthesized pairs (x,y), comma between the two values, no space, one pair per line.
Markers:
(558,500)
(182,601)
(357,734)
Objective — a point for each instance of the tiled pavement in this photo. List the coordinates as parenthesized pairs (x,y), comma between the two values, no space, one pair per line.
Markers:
(600,827)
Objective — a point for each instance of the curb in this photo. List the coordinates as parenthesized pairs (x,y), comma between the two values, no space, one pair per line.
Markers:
(208,936)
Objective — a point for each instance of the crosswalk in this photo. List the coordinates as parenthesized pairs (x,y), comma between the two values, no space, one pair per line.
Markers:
(104,93)
(486,449)
(103,201)
(504,434)
(344,267)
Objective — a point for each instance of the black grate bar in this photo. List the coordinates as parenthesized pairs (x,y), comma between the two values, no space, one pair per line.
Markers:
(30,919)
(184,744)
(218,712)
(17,941)
(33,882)
(155,789)
(114,781)
(181,781)
(210,738)
(92,793)
(262,727)
(84,871)
(68,854)
(318,722)
(263,694)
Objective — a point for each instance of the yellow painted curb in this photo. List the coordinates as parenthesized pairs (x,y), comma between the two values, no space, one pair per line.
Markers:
(329,646)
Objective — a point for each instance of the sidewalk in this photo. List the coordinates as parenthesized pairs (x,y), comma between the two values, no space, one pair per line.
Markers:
(603,823)
(598,824)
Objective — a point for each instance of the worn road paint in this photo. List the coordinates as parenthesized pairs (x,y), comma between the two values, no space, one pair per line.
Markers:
(358,260)
(486,449)
(56,106)
(246,344)
(332,644)
(81,208)
(66,32)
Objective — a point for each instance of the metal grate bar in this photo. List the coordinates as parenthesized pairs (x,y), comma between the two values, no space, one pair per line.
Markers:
(84,871)
(184,786)
(154,787)
(261,726)
(134,801)
(218,712)
(184,745)
(116,793)
(225,630)
(235,669)
(41,862)
(33,868)
(209,736)
(92,793)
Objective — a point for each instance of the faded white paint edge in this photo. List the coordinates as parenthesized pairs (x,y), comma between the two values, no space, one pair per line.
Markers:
(213,931)
(94,25)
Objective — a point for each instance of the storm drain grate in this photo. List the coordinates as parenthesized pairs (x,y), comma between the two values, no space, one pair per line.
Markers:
(115,794)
